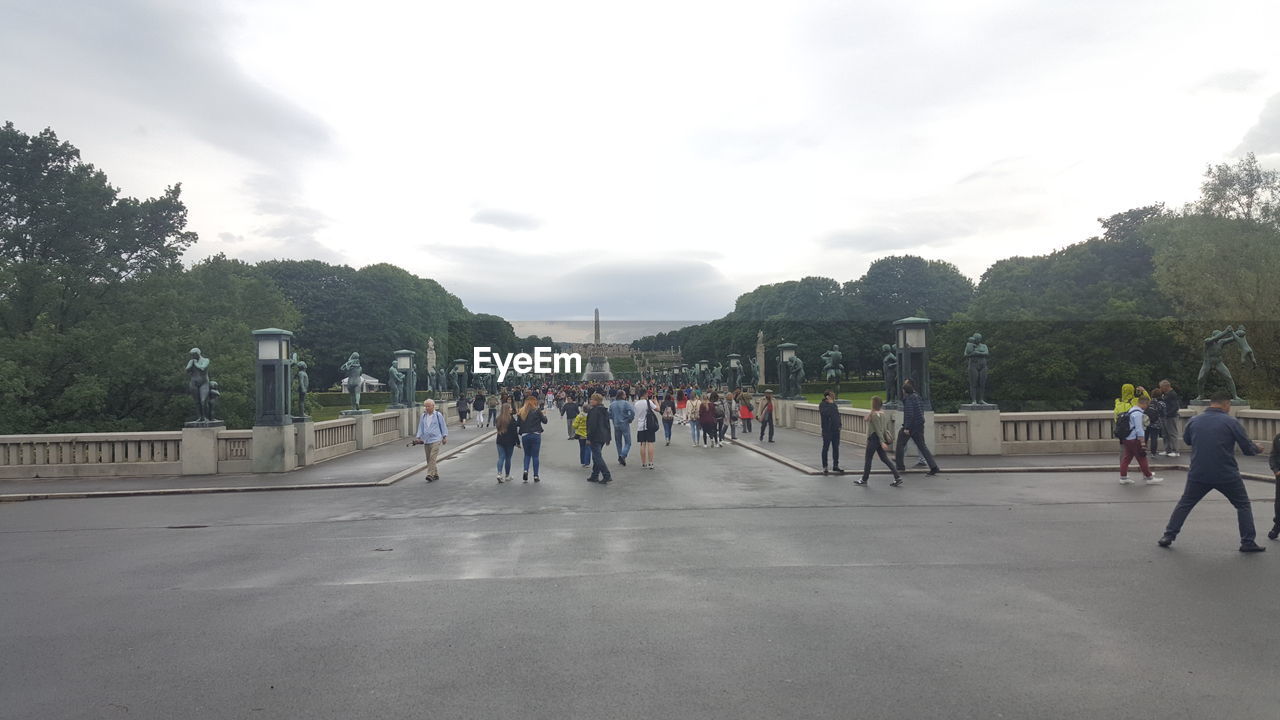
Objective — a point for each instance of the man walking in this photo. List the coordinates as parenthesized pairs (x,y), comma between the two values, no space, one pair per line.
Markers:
(829,414)
(913,429)
(570,411)
(766,415)
(597,437)
(1213,436)
(622,413)
(1134,443)
(433,432)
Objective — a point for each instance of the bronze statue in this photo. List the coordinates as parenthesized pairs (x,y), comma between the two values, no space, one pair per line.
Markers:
(752,375)
(395,384)
(795,375)
(198,384)
(1213,346)
(889,367)
(1246,352)
(977,354)
(355,378)
(832,368)
(304,385)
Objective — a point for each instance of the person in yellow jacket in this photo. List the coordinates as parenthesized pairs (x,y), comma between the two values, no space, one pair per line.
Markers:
(580,432)
(1124,403)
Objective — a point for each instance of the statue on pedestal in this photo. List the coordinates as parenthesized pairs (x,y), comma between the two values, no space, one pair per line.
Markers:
(411,386)
(442,382)
(889,367)
(304,385)
(977,354)
(752,374)
(395,384)
(717,375)
(355,378)
(1213,346)
(832,368)
(795,376)
(198,384)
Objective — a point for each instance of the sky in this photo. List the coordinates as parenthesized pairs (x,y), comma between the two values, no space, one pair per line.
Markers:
(657,159)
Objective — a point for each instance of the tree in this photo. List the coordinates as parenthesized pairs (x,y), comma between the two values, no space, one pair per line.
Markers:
(1244,191)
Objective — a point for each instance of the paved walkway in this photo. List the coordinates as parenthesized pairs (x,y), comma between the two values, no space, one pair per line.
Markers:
(720,585)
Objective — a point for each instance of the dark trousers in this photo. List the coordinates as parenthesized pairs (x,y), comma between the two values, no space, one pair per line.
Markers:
(746,425)
(766,424)
(598,468)
(918,436)
(1170,431)
(875,447)
(1195,491)
(1133,449)
(834,444)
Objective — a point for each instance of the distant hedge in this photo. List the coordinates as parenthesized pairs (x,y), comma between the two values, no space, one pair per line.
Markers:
(340,399)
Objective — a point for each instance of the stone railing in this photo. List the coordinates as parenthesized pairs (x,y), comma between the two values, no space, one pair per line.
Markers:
(334,438)
(90,454)
(386,427)
(1262,425)
(1041,433)
(235,451)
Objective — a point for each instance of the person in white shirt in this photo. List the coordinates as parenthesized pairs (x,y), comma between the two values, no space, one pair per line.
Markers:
(646,431)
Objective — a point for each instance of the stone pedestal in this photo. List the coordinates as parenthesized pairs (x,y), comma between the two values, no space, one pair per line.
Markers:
(305,440)
(275,448)
(364,428)
(408,426)
(985,431)
(200,448)
(1199,406)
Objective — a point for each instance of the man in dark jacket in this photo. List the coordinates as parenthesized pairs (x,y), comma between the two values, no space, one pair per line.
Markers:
(570,411)
(1274,462)
(1172,404)
(913,429)
(599,433)
(1213,436)
(829,414)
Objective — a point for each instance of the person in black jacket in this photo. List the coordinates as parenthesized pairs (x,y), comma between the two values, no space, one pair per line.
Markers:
(1169,424)
(1274,461)
(507,439)
(570,411)
(913,429)
(599,433)
(477,404)
(829,414)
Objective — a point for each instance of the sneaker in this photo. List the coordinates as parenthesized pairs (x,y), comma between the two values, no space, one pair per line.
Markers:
(526,476)
(1124,480)
(1275,532)
(897,482)
(824,471)
(593,479)
(932,472)
(1153,480)
(1174,454)
(1165,541)
(507,479)
(537,479)
(862,481)
(622,461)
(606,481)
(922,463)
(1251,546)
(837,469)
(499,479)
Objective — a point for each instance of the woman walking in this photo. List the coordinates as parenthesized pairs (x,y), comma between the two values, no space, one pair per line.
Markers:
(531,421)
(646,428)
(707,419)
(508,437)
(463,405)
(478,405)
(879,431)
(744,410)
(691,409)
(668,408)
(682,405)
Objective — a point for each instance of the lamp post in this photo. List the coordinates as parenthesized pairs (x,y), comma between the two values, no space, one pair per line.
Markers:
(735,369)
(273,396)
(912,334)
(460,377)
(786,351)
(704,373)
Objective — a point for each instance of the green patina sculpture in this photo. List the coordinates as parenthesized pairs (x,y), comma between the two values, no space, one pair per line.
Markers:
(795,375)
(198,384)
(889,367)
(395,384)
(1213,346)
(832,367)
(752,376)
(977,354)
(1246,351)
(214,394)
(304,385)
(411,386)
(355,378)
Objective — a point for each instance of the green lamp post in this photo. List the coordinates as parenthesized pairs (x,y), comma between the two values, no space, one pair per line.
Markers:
(272,395)
(912,334)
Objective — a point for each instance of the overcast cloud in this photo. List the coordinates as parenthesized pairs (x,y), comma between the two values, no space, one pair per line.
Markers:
(542,159)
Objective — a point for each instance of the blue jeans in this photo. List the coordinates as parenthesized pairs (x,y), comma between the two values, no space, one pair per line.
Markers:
(531,443)
(584,452)
(598,468)
(666,428)
(504,459)
(622,436)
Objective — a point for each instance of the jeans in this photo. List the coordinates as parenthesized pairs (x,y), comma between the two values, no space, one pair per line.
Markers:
(504,459)
(875,446)
(1195,491)
(584,451)
(666,428)
(493,416)
(531,443)
(918,436)
(622,436)
(834,444)
(693,430)
(1133,449)
(598,468)
(766,423)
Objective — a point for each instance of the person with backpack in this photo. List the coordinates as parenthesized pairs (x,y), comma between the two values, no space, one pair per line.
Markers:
(531,419)
(692,407)
(478,405)
(491,406)
(622,414)
(668,408)
(1131,431)
(646,412)
(721,408)
(507,439)
(707,421)
(463,406)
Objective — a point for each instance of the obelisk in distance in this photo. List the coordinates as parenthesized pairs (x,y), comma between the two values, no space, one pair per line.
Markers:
(597,326)
(597,363)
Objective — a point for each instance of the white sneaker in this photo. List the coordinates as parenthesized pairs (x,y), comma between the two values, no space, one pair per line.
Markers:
(1124,480)
(1153,480)
(1174,454)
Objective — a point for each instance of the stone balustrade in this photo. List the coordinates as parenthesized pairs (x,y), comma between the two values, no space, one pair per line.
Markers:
(90,454)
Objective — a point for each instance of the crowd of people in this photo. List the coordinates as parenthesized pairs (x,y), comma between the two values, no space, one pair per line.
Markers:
(1145,421)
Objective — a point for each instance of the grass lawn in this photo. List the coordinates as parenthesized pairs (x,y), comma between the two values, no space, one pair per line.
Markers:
(331,413)
(856,399)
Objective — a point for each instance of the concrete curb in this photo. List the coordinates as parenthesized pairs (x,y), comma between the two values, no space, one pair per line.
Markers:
(21,497)
(811,470)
